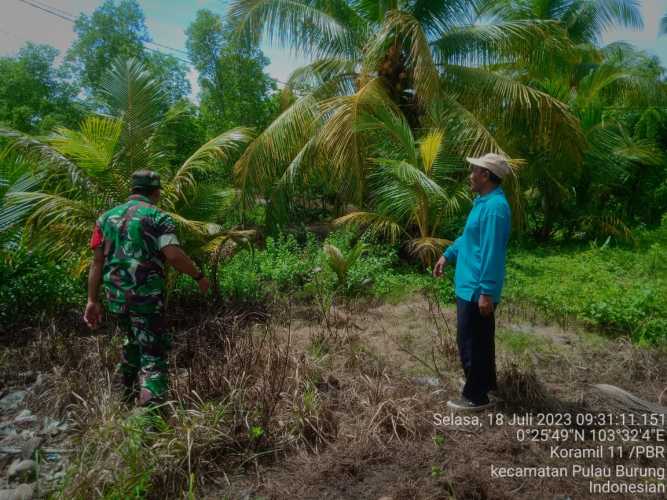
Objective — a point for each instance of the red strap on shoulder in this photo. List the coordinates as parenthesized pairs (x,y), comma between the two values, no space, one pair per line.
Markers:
(96,238)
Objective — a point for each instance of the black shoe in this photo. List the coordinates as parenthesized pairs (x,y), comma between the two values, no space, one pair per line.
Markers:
(126,385)
(465,404)
(493,393)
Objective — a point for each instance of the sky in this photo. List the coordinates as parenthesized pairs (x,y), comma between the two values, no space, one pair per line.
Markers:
(168,19)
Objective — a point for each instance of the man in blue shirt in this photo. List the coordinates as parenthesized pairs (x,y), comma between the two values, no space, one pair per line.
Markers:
(479,254)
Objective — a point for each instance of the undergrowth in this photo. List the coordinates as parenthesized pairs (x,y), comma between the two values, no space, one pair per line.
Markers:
(610,289)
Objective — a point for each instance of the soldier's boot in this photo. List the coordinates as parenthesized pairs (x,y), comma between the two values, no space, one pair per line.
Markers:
(147,398)
(130,390)
(153,388)
(126,384)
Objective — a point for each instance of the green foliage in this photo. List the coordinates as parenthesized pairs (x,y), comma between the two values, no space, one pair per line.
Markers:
(235,89)
(612,289)
(171,73)
(282,262)
(32,288)
(431,66)
(240,280)
(81,173)
(522,342)
(34,94)
(341,264)
(114,30)
(303,270)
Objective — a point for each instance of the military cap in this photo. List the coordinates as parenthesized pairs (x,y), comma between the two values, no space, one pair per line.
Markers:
(145,179)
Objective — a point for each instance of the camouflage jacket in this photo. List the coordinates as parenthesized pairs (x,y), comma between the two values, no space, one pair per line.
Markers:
(133,235)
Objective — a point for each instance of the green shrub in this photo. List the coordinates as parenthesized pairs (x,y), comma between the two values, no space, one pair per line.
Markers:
(240,279)
(283,262)
(611,289)
(32,288)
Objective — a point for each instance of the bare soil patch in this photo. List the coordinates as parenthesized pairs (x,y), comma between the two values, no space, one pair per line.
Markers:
(343,405)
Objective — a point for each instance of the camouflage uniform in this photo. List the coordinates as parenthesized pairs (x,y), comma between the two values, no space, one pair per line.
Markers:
(133,235)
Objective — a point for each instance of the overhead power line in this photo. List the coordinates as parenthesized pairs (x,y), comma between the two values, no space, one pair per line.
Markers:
(48,10)
(69,17)
(168,47)
(52,7)
(61,14)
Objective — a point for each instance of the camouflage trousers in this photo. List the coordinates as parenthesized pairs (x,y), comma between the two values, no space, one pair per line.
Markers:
(144,354)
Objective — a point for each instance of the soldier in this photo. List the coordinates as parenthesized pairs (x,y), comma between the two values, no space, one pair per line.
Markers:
(131,243)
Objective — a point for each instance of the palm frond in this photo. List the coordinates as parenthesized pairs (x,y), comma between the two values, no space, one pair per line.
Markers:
(467,134)
(43,156)
(220,148)
(62,224)
(310,28)
(523,42)
(511,103)
(391,127)
(408,175)
(429,149)
(92,147)
(616,81)
(403,29)
(139,100)
(621,13)
(441,15)
(325,78)
(296,168)
(340,263)
(340,141)
(427,249)
(263,160)
(374,224)
(13,212)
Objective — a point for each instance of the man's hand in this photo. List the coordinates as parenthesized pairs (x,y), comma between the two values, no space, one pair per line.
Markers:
(439,266)
(180,261)
(485,305)
(93,314)
(203,285)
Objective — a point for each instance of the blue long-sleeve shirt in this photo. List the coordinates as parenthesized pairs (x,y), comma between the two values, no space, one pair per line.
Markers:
(480,251)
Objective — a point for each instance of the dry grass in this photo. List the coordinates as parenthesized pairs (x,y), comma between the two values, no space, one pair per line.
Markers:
(299,406)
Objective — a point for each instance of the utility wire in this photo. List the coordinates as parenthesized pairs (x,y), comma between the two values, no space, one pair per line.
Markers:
(68,17)
(170,48)
(47,10)
(57,9)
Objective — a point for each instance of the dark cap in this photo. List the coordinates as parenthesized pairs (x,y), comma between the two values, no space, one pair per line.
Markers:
(145,179)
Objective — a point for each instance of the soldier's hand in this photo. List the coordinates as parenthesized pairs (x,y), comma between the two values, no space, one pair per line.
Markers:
(93,314)
(439,266)
(203,285)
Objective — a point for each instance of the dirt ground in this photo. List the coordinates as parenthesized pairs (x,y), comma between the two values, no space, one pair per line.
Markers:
(372,408)
(407,351)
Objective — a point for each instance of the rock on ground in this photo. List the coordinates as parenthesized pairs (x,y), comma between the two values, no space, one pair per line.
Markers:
(22,492)
(23,468)
(12,400)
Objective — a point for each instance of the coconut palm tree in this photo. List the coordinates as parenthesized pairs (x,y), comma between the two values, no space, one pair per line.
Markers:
(584,20)
(551,170)
(412,192)
(75,175)
(431,59)
(620,105)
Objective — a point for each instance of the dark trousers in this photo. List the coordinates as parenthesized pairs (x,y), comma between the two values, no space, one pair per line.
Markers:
(476,339)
